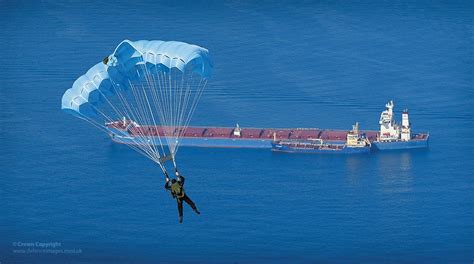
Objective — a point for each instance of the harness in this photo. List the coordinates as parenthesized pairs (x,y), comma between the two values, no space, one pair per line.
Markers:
(177,190)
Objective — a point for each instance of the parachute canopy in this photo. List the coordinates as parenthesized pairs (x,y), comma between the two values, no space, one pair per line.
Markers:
(150,83)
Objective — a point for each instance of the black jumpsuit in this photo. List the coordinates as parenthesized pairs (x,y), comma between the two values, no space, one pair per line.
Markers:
(180,181)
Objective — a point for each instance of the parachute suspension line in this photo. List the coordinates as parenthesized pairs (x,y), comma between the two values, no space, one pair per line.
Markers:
(170,100)
(166,102)
(152,85)
(154,120)
(169,96)
(174,136)
(174,88)
(125,104)
(177,98)
(140,144)
(200,89)
(134,147)
(188,95)
(143,117)
(174,123)
(179,104)
(160,112)
(146,115)
(160,103)
(182,110)
(130,112)
(118,112)
(170,113)
(94,123)
(151,112)
(175,119)
(178,119)
(101,127)
(173,96)
(158,108)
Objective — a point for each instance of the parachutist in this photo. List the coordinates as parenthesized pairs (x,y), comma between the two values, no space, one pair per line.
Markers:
(176,187)
(124,86)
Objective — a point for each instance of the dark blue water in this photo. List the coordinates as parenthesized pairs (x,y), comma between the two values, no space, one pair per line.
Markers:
(325,64)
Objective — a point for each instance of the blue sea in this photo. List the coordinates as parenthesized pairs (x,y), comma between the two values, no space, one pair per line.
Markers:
(70,195)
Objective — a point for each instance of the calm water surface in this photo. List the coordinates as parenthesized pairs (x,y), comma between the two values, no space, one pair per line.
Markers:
(325,64)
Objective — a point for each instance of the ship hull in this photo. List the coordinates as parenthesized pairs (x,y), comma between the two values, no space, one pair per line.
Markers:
(400,145)
(344,150)
(207,142)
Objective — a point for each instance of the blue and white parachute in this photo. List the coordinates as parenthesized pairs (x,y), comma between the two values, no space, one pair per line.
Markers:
(152,83)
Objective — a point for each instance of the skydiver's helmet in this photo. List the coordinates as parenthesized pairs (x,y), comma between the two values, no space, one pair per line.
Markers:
(173,181)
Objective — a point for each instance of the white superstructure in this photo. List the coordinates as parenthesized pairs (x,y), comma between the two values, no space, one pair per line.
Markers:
(389,130)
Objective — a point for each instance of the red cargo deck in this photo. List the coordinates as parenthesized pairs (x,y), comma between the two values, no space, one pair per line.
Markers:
(245,133)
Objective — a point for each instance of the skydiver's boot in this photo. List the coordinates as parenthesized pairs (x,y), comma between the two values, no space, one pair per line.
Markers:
(197,211)
(180,219)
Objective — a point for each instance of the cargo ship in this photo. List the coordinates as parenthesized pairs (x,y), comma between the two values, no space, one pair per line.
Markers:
(390,136)
(355,144)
